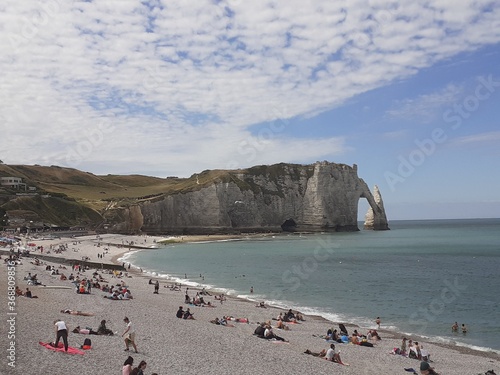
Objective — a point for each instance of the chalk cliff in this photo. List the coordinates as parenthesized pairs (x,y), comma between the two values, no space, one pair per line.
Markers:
(320,196)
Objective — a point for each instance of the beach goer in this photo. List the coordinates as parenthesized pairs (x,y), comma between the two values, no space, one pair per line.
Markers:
(157,287)
(103,330)
(84,331)
(464,329)
(61,332)
(76,312)
(426,369)
(28,294)
(187,314)
(19,292)
(320,354)
(129,335)
(378,321)
(180,312)
(127,366)
(454,327)
(333,355)
(251,289)
(403,346)
(139,370)
(259,331)
(269,334)
(424,354)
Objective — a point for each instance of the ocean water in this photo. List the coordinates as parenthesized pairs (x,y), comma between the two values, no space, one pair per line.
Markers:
(419,277)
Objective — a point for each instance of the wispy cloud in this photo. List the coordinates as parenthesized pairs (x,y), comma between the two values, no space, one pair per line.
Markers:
(181,82)
(489,137)
(427,107)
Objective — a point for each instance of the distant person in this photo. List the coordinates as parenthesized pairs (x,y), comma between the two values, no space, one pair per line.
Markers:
(454,327)
(464,329)
(157,287)
(251,289)
(378,321)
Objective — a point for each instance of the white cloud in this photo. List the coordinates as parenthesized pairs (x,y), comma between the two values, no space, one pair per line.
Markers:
(181,82)
(489,137)
(427,107)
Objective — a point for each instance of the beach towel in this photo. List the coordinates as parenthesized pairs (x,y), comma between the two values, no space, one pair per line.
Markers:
(60,348)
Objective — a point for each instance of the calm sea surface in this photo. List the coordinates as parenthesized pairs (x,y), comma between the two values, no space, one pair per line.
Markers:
(419,277)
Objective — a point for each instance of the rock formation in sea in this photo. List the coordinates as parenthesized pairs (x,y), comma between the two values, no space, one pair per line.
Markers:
(318,197)
(376,218)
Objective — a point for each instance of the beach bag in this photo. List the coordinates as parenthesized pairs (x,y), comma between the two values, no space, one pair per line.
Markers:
(87,344)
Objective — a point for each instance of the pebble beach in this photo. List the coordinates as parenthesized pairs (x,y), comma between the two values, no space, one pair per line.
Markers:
(170,345)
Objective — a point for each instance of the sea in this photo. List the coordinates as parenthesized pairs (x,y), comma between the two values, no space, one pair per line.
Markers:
(419,277)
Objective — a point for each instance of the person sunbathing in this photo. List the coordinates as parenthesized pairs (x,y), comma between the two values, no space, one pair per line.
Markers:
(84,331)
(19,292)
(75,312)
(321,354)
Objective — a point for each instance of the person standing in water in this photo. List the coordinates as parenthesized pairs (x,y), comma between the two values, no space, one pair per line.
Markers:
(378,321)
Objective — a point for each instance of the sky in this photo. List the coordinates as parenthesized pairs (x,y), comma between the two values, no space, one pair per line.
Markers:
(408,91)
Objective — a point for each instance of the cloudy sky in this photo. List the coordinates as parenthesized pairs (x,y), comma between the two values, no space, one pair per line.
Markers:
(408,91)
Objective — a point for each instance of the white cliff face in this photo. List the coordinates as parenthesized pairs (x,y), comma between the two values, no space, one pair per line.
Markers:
(321,196)
(376,221)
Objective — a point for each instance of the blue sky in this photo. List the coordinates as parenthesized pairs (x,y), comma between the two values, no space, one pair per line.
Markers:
(408,92)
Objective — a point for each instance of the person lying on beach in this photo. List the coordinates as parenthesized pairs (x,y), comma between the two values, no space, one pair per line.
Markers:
(261,304)
(75,312)
(321,354)
(103,330)
(84,331)
(237,320)
(208,304)
(222,322)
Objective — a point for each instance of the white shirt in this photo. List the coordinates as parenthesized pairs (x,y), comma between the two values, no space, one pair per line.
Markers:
(130,327)
(329,354)
(60,325)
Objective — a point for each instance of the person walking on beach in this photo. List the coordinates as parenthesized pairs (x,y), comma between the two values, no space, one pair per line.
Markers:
(157,287)
(61,332)
(129,335)
(378,321)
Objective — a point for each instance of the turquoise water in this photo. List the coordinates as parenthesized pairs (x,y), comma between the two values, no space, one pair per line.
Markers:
(419,277)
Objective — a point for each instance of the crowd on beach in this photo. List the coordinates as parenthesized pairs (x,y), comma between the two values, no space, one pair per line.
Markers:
(265,322)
